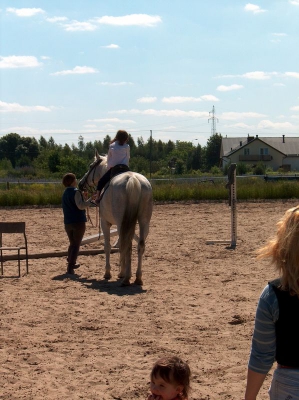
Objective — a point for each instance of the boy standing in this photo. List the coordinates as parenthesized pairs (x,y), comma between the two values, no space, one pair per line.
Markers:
(74,205)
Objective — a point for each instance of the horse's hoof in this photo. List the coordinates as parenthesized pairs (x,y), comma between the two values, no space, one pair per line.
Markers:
(138,281)
(125,282)
(120,275)
(107,276)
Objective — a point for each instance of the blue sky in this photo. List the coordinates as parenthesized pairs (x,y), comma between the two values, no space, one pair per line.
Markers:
(71,68)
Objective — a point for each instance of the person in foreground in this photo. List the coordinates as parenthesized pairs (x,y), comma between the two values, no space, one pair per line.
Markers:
(276,331)
(73,206)
(118,155)
(170,379)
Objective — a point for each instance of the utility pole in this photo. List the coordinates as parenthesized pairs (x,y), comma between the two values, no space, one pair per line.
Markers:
(214,120)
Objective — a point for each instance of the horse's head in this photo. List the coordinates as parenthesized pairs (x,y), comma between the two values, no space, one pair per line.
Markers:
(91,177)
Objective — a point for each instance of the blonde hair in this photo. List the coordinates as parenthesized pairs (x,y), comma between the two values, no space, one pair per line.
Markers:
(283,250)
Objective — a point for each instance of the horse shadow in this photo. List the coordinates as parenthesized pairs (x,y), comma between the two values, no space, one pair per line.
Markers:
(104,285)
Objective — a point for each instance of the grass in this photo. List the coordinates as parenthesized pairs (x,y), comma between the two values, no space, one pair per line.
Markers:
(252,188)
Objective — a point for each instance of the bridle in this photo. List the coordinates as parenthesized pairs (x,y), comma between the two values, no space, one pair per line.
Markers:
(83,184)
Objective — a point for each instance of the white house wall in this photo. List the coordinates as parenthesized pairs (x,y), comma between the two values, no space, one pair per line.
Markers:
(275,163)
(293,161)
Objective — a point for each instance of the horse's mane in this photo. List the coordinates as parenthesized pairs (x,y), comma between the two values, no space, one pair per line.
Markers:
(103,157)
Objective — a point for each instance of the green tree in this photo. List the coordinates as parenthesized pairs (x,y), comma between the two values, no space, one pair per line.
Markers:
(8,145)
(54,160)
(106,143)
(43,144)
(212,151)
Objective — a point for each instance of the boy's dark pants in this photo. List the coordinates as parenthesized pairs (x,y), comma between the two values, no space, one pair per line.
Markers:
(75,233)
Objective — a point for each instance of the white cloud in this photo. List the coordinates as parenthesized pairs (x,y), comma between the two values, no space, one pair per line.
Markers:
(295,108)
(147,99)
(261,75)
(25,12)
(209,97)
(279,34)
(111,46)
(165,113)
(223,88)
(180,99)
(45,58)
(130,20)
(77,71)
(79,26)
(265,124)
(294,2)
(292,74)
(240,115)
(258,75)
(114,83)
(254,8)
(124,121)
(56,19)
(240,125)
(19,62)
(15,107)
(278,84)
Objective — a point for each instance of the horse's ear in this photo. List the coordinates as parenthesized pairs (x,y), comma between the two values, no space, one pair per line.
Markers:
(96,155)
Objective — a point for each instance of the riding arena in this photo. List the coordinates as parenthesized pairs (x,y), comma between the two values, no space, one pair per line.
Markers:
(85,337)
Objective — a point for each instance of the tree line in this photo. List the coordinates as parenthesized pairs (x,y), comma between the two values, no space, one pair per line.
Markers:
(27,157)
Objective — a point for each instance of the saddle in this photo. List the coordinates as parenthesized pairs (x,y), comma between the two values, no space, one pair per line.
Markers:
(116,170)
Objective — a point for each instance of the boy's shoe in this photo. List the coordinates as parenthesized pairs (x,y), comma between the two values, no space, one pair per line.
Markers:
(70,268)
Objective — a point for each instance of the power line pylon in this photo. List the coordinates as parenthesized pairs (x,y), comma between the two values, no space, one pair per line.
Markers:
(214,120)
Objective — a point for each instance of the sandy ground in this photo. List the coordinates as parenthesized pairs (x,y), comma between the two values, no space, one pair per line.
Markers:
(82,337)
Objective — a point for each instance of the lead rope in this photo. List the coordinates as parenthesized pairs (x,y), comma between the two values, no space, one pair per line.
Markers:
(88,214)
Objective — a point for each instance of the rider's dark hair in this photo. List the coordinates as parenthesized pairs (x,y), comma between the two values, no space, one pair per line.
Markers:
(121,137)
(68,179)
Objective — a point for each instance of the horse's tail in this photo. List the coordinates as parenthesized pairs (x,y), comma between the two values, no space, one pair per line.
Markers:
(127,229)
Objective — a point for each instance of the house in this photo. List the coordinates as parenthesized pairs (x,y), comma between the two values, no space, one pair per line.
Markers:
(274,152)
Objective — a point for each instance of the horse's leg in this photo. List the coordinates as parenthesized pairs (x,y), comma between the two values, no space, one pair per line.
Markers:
(122,263)
(127,261)
(143,232)
(107,248)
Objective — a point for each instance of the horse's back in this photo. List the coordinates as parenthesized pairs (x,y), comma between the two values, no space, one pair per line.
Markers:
(127,187)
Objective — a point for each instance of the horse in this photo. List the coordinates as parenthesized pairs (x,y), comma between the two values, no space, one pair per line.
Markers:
(127,200)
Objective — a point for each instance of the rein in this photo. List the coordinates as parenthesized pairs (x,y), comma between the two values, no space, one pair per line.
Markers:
(83,184)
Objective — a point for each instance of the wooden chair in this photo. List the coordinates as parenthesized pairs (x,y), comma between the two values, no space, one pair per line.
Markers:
(16,228)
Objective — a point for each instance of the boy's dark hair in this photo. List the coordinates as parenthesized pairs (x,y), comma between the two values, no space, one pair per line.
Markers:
(121,136)
(173,370)
(68,179)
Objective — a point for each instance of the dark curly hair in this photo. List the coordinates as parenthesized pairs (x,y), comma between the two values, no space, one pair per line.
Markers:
(173,370)
(68,179)
(121,136)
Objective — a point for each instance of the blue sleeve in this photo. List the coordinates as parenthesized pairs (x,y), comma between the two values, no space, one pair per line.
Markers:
(263,348)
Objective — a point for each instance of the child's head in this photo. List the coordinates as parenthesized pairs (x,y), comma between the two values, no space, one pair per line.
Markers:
(68,179)
(121,136)
(170,377)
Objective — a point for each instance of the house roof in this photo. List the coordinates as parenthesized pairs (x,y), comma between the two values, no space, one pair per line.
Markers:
(289,146)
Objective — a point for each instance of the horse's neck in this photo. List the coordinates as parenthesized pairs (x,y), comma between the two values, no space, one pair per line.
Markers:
(102,170)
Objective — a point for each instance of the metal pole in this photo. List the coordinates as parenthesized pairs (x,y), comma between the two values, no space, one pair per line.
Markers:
(151,139)
(233,210)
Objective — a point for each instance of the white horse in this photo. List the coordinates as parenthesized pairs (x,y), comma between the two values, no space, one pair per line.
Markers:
(127,200)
